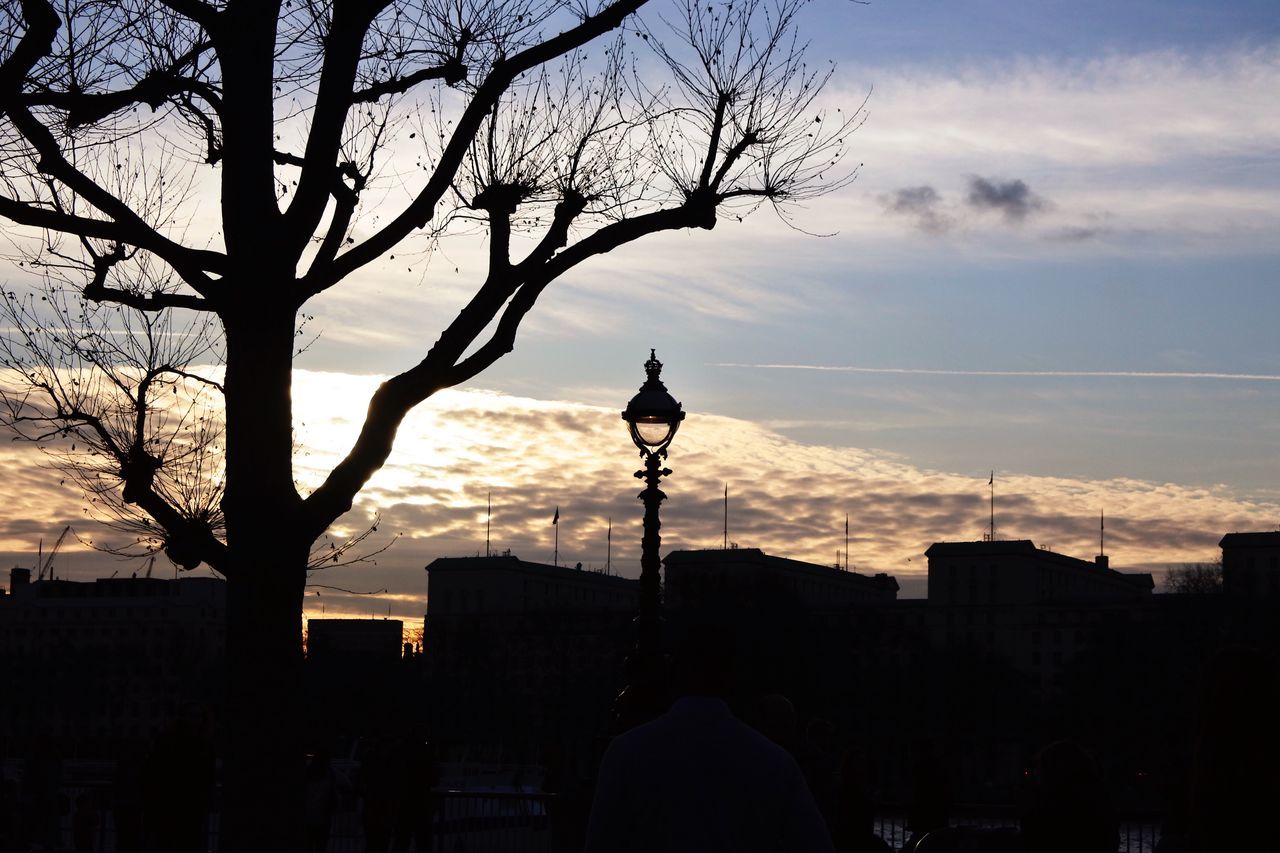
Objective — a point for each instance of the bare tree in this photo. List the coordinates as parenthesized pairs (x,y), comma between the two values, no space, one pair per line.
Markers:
(188,174)
(1195,577)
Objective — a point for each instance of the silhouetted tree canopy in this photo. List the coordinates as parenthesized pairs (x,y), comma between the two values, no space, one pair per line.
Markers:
(184,176)
(1195,578)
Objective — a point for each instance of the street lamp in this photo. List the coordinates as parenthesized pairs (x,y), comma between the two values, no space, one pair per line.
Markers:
(653,416)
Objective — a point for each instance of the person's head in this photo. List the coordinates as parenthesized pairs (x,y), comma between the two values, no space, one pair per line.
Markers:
(704,663)
(773,716)
(1065,767)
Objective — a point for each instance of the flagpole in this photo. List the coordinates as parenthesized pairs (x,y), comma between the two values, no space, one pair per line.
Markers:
(555,522)
(608,548)
(488,516)
(726,516)
(992,484)
(846,541)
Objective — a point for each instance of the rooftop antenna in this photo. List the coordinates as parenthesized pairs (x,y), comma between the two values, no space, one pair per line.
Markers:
(488,516)
(555,522)
(726,515)
(846,541)
(1102,532)
(608,548)
(992,483)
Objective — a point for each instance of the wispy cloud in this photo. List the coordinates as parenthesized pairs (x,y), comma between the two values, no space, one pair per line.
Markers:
(927,371)
(1162,144)
(1134,110)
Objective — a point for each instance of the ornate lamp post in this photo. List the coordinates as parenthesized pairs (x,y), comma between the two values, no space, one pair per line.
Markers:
(653,417)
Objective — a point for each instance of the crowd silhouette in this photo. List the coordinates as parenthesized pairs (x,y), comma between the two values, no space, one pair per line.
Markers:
(719,770)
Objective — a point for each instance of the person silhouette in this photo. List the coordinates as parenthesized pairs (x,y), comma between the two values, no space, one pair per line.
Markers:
(930,793)
(321,801)
(853,824)
(699,779)
(378,782)
(1068,811)
(418,798)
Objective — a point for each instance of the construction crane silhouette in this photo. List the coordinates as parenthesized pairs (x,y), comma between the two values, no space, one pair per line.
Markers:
(45,564)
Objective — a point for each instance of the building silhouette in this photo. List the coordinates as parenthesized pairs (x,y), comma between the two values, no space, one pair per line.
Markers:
(1017,572)
(94,664)
(1016,646)
(742,575)
(1251,564)
(358,641)
(524,656)
(359,680)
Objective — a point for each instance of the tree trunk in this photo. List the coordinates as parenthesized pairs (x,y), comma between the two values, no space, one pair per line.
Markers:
(262,742)
(262,748)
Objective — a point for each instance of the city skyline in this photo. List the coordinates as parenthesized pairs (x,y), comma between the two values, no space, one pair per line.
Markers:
(534,456)
(1057,262)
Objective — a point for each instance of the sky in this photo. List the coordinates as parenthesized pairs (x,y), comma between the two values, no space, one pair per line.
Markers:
(1058,263)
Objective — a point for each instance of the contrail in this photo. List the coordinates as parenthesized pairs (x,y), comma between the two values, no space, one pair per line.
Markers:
(925,371)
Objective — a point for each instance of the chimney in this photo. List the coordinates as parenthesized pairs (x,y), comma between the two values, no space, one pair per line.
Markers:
(18,578)
(1103,561)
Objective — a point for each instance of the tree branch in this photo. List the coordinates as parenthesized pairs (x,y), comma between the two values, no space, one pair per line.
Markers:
(399,394)
(36,42)
(191,264)
(324,140)
(688,215)
(186,541)
(96,289)
(157,301)
(557,236)
(195,10)
(84,108)
(735,153)
(420,211)
(713,146)
(452,73)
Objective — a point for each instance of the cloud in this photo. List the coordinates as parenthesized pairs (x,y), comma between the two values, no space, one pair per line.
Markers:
(1116,109)
(1012,198)
(1172,147)
(928,371)
(785,496)
(922,202)
(1077,233)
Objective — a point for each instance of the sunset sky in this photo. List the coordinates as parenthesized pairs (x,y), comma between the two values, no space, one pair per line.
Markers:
(1059,262)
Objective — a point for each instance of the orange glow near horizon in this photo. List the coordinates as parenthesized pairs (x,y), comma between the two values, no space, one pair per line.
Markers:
(462,445)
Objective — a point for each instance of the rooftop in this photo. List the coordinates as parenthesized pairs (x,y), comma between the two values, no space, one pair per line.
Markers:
(509,563)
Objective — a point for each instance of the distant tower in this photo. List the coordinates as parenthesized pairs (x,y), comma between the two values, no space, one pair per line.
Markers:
(1102,560)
